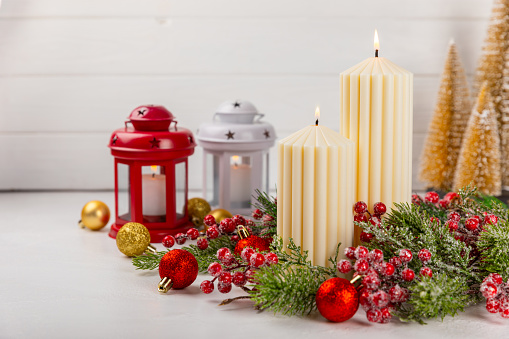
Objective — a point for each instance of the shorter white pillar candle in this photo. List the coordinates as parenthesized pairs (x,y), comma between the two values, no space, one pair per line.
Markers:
(240,182)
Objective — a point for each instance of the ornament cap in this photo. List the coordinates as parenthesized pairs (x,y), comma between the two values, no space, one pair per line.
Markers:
(165,285)
(243,232)
(151,249)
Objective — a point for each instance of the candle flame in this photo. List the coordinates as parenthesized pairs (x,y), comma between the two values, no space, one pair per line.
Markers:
(235,160)
(376,42)
(153,168)
(317,112)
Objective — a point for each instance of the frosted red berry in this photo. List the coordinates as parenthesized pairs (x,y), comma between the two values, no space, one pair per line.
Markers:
(453,225)
(360,218)
(492,305)
(408,274)
(495,278)
(209,220)
(202,243)
(443,203)
(250,276)
(361,252)
(180,238)
(366,237)
(405,255)
(225,278)
(416,200)
(212,232)
(207,286)
(379,208)
(344,266)
(380,298)
(257,214)
(168,241)
(386,315)
(426,272)
(396,262)
(257,260)
(388,269)
(215,269)
(396,294)
(223,252)
(246,253)
(424,255)
(489,290)
(361,266)
(431,197)
(192,233)
(271,259)
(224,288)
(375,221)
(491,219)
(227,226)
(376,255)
(454,216)
(239,279)
(434,220)
(350,253)
(374,315)
(239,220)
(365,298)
(451,196)
(371,281)
(234,238)
(360,207)
(471,224)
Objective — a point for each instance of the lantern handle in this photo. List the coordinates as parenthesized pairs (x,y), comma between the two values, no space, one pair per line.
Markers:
(175,121)
(258,117)
(127,122)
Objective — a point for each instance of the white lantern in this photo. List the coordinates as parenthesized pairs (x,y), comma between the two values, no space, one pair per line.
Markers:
(236,156)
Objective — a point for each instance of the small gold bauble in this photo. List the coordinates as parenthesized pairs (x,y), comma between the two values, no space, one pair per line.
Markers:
(133,239)
(94,215)
(197,209)
(220,214)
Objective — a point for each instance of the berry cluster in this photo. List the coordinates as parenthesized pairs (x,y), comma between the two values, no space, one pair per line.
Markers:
(267,220)
(180,238)
(496,293)
(381,281)
(230,270)
(361,209)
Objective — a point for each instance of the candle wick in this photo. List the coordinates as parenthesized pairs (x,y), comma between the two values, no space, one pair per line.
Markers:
(376,53)
(153,175)
(316,123)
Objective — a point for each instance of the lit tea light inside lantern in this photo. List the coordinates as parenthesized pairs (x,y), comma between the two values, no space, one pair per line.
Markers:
(154,192)
(240,180)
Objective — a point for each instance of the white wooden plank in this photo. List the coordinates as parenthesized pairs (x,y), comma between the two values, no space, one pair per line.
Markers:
(101,104)
(322,46)
(247,8)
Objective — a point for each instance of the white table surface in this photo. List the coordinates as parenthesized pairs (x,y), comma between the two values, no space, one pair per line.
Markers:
(60,281)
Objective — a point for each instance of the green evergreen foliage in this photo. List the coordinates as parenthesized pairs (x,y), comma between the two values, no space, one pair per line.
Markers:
(494,246)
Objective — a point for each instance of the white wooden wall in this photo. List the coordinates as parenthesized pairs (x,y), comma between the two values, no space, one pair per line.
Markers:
(72,70)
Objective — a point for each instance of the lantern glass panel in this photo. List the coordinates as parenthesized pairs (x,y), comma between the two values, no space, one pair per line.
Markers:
(240,181)
(124,191)
(212,179)
(153,184)
(180,189)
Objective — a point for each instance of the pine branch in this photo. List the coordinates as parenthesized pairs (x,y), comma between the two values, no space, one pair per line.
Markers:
(208,256)
(494,246)
(149,261)
(266,204)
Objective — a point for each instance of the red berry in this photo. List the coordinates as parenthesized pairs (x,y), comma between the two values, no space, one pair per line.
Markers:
(361,266)
(431,197)
(257,260)
(224,288)
(443,203)
(213,232)
(267,220)
(388,269)
(192,233)
(239,279)
(396,262)
(366,237)
(426,272)
(453,225)
(250,276)
(227,226)
(215,269)
(222,253)
(374,315)
(271,259)
(494,278)
(209,220)
(257,214)
(360,218)
(375,221)
(376,255)
(491,219)
(225,278)
(396,294)
(168,241)
(350,253)
(492,305)
(504,313)
(207,286)
(424,255)
(180,238)
(360,207)
(416,200)
(365,298)
(379,208)
(405,255)
(386,315)
(344,266)
(471,224)
(371,282)
(246,253)
(454,216)
(239,220)
(234,238)
(408,274)
(489,290)
(434,220)
(361,252)
(451,196)
(380,298)
(202,243)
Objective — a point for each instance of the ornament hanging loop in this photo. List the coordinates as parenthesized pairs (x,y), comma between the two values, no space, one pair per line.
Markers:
(81,224)
(165,285)
(242,232)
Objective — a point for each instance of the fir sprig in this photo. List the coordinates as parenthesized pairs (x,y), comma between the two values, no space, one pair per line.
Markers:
(207,256)
(494,246)
(149,261)
(266,204)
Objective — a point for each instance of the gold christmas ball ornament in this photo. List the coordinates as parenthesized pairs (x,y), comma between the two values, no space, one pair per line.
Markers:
(197,209)
(220,214)
(133,239)
(94,215)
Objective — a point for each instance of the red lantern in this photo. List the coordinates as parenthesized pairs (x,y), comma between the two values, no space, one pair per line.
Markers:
(151,172)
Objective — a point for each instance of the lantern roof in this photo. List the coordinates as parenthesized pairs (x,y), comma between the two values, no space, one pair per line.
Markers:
(236,125)
(150,137)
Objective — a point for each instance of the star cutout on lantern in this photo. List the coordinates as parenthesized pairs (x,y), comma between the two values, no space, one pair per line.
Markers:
(141,112)
(191,140)
(267,134)
(155,142)
(229,135)
(114,140)
(236,104)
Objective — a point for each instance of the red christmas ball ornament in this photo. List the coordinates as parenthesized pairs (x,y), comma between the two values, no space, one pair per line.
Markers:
(253,241)
(337,299)
(177,269)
